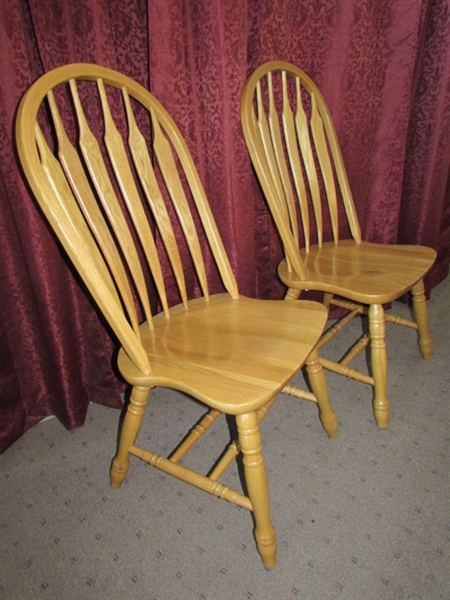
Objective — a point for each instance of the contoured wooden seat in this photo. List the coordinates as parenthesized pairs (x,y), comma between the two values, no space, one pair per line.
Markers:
(295,152)
(116,182)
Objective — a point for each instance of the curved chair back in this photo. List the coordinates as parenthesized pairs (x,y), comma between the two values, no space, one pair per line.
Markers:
(106,195)
(294,148)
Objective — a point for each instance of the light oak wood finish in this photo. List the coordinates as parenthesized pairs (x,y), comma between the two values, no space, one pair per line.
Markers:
(294,149)
(122,207)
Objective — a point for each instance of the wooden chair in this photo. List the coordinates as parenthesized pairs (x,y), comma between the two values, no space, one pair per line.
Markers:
(295,152)
(128,212)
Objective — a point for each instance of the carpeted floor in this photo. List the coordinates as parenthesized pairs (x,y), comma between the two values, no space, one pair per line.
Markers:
(363,516)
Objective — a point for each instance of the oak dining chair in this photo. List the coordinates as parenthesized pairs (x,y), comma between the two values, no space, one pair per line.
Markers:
(294,148)
(116,182)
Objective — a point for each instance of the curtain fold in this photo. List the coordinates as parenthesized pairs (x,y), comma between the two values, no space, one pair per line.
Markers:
(384,69)
(198,63)
(425,208)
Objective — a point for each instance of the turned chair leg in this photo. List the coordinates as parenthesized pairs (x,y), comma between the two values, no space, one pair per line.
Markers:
(319,387)
(379,364)
(130,429)
(421,316)
(258,490)
(292,294)
(327,298)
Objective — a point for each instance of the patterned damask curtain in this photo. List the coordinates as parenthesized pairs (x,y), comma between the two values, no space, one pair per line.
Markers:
(384,68)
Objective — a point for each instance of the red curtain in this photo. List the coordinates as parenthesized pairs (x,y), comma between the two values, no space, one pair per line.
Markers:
(384,68)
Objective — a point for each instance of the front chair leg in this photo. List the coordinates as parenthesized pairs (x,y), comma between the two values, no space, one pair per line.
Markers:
(319,387)
(258,490)
(421,316)
(379,364)
(130,429)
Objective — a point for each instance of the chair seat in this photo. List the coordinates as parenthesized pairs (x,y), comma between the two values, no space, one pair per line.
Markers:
(366,272)
(234,354)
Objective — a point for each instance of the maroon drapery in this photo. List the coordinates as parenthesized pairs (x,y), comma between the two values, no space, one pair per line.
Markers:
(384,68)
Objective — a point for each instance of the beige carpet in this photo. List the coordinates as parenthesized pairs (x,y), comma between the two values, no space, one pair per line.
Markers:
(363,516)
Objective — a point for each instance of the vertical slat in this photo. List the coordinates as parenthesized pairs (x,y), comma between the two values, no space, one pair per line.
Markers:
(266,140)
(261,150)
(341,173)
(68,222)
(71,218)
(301,122)
(269,175)
(174,186)
(294,158)
(76,176)
(274,127)
(146,174)
(203,208)
(99,174)
(119,160)
(325,166)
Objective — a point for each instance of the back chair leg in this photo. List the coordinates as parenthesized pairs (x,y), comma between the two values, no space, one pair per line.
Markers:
(258,490)
(421,317)
(379,364)
(319,386)
(292,294)
(130,429)
(327,298)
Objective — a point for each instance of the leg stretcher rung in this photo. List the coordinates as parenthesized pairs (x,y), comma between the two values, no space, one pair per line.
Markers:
(199,430)
(192,477)
(292,390)
(362,310)
(221,466)
(234,448)
(362,343)
(389,318)
(336,328)
(262,412)
(336,367)
(400,321)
